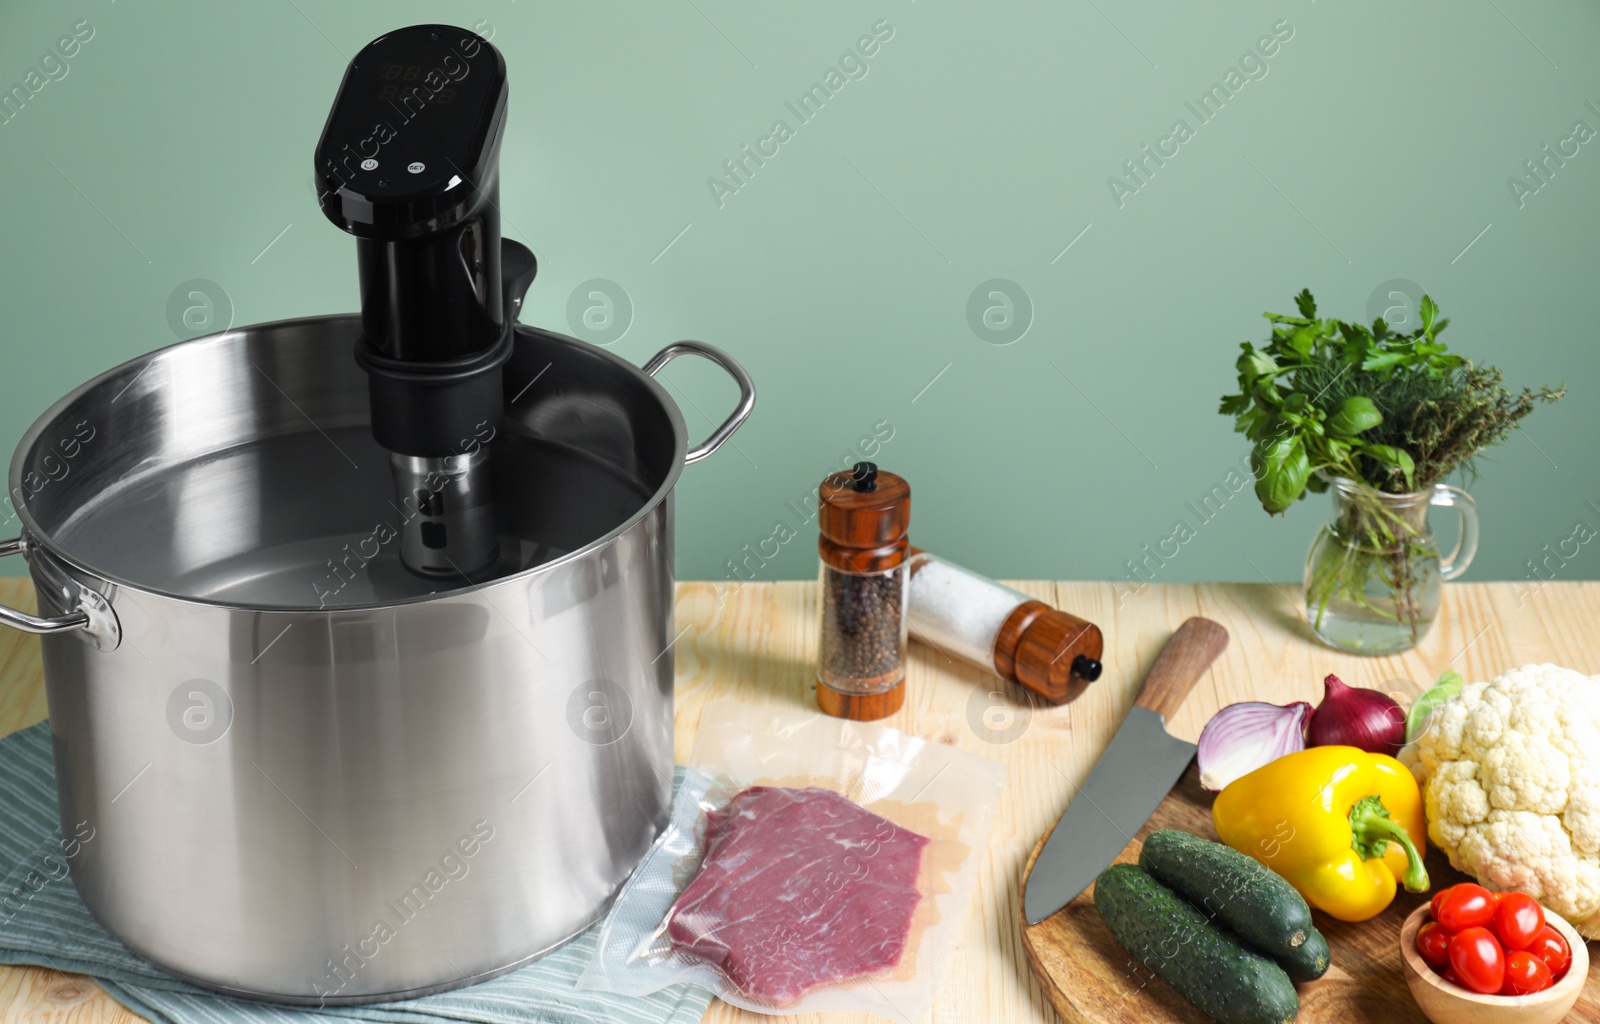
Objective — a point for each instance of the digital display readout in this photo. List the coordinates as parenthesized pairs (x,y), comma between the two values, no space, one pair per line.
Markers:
(399,79)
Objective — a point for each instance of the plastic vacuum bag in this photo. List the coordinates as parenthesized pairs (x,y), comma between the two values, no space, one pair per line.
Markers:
(811,864)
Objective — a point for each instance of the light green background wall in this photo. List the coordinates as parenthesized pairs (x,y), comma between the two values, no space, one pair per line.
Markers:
(977,146)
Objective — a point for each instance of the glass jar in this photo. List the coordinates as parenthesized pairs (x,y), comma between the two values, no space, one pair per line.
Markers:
(863,516)
(969,616)
(1374,572)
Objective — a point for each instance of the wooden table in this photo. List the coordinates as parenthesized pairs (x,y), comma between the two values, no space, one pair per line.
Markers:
(756,643)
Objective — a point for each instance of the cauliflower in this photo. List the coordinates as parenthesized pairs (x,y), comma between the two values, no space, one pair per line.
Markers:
(1510,775)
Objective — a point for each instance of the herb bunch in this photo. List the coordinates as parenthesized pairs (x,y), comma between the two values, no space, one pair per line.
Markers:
(1323,398)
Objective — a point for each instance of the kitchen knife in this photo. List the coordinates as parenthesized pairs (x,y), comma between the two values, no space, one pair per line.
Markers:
(1129,781)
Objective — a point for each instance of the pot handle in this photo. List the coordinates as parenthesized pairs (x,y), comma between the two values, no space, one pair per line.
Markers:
(747,391)
(34,623)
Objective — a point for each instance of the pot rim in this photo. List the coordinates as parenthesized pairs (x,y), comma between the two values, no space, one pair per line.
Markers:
(35,537)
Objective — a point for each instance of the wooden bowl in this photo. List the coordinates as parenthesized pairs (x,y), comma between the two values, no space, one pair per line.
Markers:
(1444,1003)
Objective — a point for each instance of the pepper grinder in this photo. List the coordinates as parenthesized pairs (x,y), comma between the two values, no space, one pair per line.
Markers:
(863,515)
(1050,652)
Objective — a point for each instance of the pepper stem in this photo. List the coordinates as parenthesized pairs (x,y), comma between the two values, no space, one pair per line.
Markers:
(1372,830)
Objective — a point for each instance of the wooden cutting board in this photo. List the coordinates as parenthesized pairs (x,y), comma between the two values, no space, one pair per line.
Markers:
(1089,977)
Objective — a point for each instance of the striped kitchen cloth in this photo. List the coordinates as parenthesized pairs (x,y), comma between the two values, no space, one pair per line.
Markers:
(44,923)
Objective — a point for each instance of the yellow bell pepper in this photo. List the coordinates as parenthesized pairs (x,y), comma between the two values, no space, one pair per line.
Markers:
(1339,824)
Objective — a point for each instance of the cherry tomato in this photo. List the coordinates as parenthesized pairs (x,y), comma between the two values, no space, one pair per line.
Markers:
(1551,947)
(1438,898)
(1453,978)
(1433,944)
(1518,919)
(1525,974)
(1465,906)
(1476,956)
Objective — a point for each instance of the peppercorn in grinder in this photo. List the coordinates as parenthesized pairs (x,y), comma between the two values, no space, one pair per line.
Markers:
(863,515)
(408,163)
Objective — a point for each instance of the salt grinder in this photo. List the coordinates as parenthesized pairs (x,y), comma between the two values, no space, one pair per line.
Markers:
(1050,652)
(864,515)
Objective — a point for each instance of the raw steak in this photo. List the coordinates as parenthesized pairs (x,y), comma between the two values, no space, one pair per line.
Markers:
(798,888)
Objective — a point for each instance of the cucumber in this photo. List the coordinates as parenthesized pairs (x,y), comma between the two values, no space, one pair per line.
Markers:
(1222,977)
(1252,900)
(1310,961)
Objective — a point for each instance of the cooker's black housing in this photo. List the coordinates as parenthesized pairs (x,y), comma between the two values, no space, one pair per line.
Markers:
(408,163)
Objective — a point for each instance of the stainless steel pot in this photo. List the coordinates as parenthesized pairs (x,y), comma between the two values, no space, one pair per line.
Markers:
(310,778)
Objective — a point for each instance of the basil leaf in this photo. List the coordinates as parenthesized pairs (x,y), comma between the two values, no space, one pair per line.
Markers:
(1255,364)
(1389,455)
(1282,474)
(1354,415)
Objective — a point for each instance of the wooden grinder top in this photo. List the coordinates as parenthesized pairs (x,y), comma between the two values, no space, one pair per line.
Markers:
(1053,653)
(864,515)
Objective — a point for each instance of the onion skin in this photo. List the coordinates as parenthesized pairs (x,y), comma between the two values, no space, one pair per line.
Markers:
(1245,736)
(1352,717)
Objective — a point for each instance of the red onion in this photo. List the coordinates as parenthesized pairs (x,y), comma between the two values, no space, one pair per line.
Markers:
(1242,737)
(1353,717)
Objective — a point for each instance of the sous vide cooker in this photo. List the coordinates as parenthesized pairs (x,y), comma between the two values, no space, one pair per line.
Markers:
(357,628)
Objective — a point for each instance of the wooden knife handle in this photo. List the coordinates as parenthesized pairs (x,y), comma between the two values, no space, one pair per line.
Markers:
(1192,649)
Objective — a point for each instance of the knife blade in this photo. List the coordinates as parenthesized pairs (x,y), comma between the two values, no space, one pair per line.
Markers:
(1130,780)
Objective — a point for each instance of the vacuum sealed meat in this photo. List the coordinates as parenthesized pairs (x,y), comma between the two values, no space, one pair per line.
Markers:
(798,888)
(810,864)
